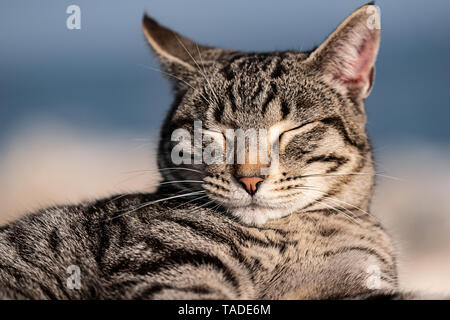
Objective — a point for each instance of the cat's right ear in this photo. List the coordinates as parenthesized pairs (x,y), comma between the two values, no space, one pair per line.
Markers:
(179,56)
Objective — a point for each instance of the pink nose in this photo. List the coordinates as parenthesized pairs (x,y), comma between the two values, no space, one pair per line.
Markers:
(250,184)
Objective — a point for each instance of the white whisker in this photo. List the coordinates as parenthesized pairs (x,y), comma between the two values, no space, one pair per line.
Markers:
(338,210)
(201,206)
(181,181)
(204,71)
(336,200)
(198,68)
(348,174)
(163,169)
(156,201)
(173,76)
(187,202)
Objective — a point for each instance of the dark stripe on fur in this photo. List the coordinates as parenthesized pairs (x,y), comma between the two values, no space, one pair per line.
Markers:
(148,293)
(369,251)
(285,111)
(328,158)
(175,259)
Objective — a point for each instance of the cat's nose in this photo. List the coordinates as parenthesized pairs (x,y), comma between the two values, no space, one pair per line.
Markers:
(250,184)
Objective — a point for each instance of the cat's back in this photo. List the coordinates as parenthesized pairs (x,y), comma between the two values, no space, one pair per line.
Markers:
(119,241)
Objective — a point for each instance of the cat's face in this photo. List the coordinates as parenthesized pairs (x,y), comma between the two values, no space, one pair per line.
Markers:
(305,112)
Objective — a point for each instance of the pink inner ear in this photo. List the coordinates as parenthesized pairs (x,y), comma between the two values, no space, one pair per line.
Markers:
(360,69)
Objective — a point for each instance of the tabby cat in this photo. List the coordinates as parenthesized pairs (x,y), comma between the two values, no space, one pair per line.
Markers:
(226,231)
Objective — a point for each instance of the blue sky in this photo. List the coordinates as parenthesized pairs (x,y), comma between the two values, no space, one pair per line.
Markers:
(94,79)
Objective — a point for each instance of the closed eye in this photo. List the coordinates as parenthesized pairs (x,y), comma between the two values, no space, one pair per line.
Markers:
(300,127)
(328,158)
(290,130)
(290,133)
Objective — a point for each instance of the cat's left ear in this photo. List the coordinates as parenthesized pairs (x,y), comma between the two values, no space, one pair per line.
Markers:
(178,55)
(348,54)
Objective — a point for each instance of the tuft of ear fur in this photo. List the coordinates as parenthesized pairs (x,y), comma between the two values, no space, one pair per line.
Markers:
(348,54)
(178,55)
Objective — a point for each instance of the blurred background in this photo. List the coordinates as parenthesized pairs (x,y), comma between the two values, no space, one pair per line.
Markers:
(80,109)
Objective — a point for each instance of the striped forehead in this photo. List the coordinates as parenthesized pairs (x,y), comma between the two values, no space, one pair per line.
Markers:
(257,91)
(251,95)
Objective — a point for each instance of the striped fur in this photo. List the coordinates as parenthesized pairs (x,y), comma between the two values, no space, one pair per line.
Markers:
(306,234)
(164,252)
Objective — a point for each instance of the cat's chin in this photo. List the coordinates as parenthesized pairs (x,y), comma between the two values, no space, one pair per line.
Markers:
(258,215)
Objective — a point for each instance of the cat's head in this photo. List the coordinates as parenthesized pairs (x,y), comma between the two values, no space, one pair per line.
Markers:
(307,107)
